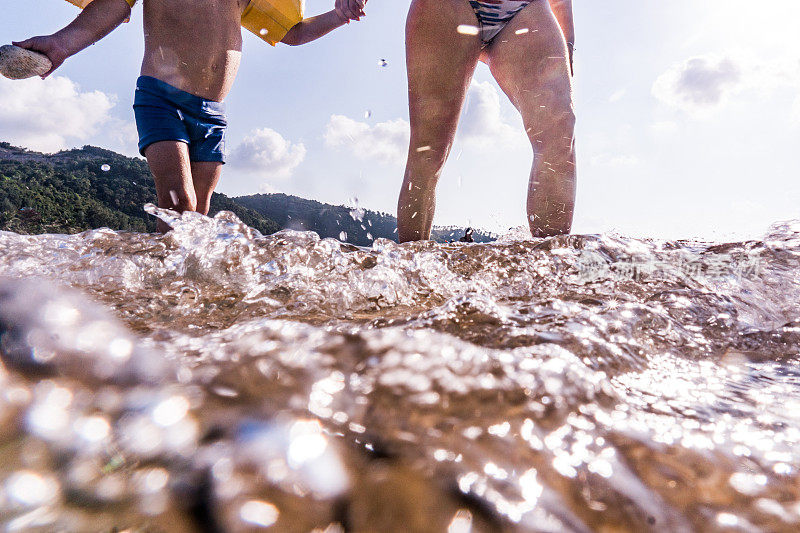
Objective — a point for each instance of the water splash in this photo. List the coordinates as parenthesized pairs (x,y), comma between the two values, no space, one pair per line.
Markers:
(572,383)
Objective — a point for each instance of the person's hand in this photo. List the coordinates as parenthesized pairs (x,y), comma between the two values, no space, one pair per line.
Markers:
(48,45)
(350,9)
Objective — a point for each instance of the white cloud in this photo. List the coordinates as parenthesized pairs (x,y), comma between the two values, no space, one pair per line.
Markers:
(481,126)
(268,188)
(386,142)
(52,114)
(664,127)
(772,27)
(614,160)
(704,83)
(617,96)
(120,136)
(266,154)
(746,207)
(795,114)
(699,82)
(482,122)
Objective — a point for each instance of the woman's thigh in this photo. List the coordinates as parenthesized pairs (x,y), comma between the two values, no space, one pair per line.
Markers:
(530,62)
(440,60)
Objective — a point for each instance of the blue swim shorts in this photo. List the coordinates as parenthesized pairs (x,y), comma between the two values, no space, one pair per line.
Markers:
(166,113)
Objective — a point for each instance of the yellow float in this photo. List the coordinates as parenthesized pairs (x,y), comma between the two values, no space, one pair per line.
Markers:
(269,19)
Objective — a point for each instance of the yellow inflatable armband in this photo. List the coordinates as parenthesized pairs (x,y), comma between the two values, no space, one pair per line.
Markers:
(83,3)
(272,19)
(269,19)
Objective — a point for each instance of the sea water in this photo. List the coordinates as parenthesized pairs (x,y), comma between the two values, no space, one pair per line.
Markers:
(213,379)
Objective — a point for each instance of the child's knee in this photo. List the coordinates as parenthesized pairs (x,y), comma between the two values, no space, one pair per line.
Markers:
(179,200)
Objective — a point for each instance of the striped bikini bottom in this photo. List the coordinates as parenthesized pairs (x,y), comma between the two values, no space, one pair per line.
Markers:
(493,15)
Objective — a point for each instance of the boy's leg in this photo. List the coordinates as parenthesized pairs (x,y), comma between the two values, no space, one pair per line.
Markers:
(171,169)
(205,176)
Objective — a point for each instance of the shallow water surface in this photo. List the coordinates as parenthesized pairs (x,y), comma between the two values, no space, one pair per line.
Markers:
(217,380)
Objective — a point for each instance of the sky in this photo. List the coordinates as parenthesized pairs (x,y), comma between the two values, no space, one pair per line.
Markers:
(688,116)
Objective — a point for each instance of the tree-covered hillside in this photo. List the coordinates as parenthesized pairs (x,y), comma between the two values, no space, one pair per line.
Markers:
(77,190)
(354,225)
(87,188)
(357,226)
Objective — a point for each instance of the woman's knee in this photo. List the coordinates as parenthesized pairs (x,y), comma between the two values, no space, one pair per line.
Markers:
(426,158)
(553,122)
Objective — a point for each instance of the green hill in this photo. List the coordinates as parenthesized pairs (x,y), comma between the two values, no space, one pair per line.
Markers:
(77,190)
(354,225)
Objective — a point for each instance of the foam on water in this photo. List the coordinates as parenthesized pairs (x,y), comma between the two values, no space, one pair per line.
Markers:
(214,377)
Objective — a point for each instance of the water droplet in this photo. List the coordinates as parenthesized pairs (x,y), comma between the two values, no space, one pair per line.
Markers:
(306,446)
(29,489)
(170,411)
(93,428)
(258,513)
(468,29)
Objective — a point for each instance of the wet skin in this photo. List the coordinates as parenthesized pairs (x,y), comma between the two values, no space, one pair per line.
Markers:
(533,68)
(196,46)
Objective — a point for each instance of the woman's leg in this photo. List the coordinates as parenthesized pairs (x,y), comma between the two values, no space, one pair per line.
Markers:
(440,63)
(529,60)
